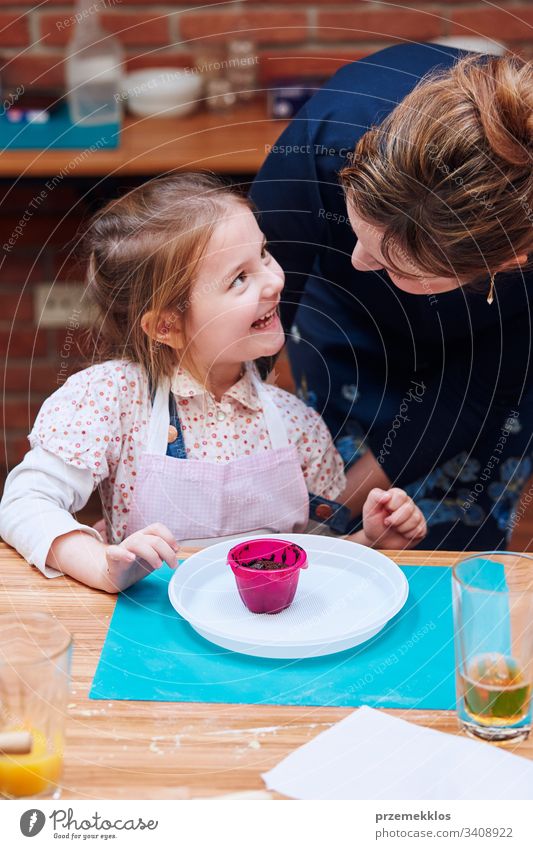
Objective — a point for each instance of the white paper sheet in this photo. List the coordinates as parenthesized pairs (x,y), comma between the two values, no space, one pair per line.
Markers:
(372,755)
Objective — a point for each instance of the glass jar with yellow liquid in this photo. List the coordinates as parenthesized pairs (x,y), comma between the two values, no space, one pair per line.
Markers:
(35,659)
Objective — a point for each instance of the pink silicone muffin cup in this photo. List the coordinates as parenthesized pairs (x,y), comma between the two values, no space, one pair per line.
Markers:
(267,590)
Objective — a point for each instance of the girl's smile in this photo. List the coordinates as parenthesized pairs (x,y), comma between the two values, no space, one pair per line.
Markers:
(267,320)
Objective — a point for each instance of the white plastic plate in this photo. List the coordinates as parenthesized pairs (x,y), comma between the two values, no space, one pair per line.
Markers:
(345,597)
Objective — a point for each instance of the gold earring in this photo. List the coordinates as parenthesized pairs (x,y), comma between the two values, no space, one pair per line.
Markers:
(490,296)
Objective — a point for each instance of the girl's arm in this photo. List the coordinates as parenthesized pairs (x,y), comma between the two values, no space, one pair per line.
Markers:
(322,465)
(113,568)
(35,518)
(40,495)
(366,474)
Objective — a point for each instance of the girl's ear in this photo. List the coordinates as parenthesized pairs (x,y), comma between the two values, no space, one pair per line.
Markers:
(165,329)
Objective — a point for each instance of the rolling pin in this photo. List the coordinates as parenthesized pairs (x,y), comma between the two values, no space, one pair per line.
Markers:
(15,742)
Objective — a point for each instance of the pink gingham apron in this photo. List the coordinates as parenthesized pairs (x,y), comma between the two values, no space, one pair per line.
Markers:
(202,502)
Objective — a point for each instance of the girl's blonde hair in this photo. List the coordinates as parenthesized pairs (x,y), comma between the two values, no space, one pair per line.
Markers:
(448,175)
(142,253)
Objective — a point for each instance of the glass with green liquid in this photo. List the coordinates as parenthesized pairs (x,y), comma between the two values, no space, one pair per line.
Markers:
(493,632)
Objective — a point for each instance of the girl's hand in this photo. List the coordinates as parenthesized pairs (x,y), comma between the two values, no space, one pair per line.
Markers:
(138,555)
(392,520)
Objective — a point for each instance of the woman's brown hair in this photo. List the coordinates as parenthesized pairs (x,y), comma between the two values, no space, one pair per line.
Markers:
(142,252)
(448,175)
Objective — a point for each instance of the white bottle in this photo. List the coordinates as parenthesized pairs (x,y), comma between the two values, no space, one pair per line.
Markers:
(93,71)
(242,68)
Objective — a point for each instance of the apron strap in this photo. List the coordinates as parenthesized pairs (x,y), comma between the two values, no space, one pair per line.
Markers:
(159,418)
(165,415)
(331,513)
(274,421)
(336,516)
(176,447)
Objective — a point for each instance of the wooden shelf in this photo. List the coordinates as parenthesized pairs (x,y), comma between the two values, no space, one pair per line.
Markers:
(232,142)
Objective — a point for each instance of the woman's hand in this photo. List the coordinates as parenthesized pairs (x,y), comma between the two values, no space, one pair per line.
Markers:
(392,520)
(138,555)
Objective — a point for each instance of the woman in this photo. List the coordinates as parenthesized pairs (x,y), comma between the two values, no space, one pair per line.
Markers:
(414,344)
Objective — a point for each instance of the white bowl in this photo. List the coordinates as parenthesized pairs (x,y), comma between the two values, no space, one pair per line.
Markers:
(163,92)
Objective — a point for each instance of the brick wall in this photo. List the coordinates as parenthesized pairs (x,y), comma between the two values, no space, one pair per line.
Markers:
(292,36)
(30,354)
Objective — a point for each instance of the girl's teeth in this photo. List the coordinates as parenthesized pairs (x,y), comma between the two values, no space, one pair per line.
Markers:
(265,321)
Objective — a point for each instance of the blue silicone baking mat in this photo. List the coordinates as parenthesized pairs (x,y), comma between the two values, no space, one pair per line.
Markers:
(151,653)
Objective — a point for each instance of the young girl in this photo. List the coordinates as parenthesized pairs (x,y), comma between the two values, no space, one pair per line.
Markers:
(175,427)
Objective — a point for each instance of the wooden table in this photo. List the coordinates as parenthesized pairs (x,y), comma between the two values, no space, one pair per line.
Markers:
(160,750)
(232,142)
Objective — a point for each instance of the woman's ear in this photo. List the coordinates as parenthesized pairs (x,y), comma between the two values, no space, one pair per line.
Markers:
(165,328)
(514,263)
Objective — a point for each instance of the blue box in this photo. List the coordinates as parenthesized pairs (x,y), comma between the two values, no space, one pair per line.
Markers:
(285,97)
(59,133)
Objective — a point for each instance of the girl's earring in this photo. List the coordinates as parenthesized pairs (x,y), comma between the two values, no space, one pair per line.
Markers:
(490,296)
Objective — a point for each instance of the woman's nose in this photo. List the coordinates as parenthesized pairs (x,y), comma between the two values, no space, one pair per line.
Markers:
(362,260)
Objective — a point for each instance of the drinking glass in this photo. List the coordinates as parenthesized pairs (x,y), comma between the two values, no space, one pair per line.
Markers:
(35,658)
(493,632)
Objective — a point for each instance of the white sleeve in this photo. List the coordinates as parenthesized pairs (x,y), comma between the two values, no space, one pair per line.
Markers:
(39,496)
